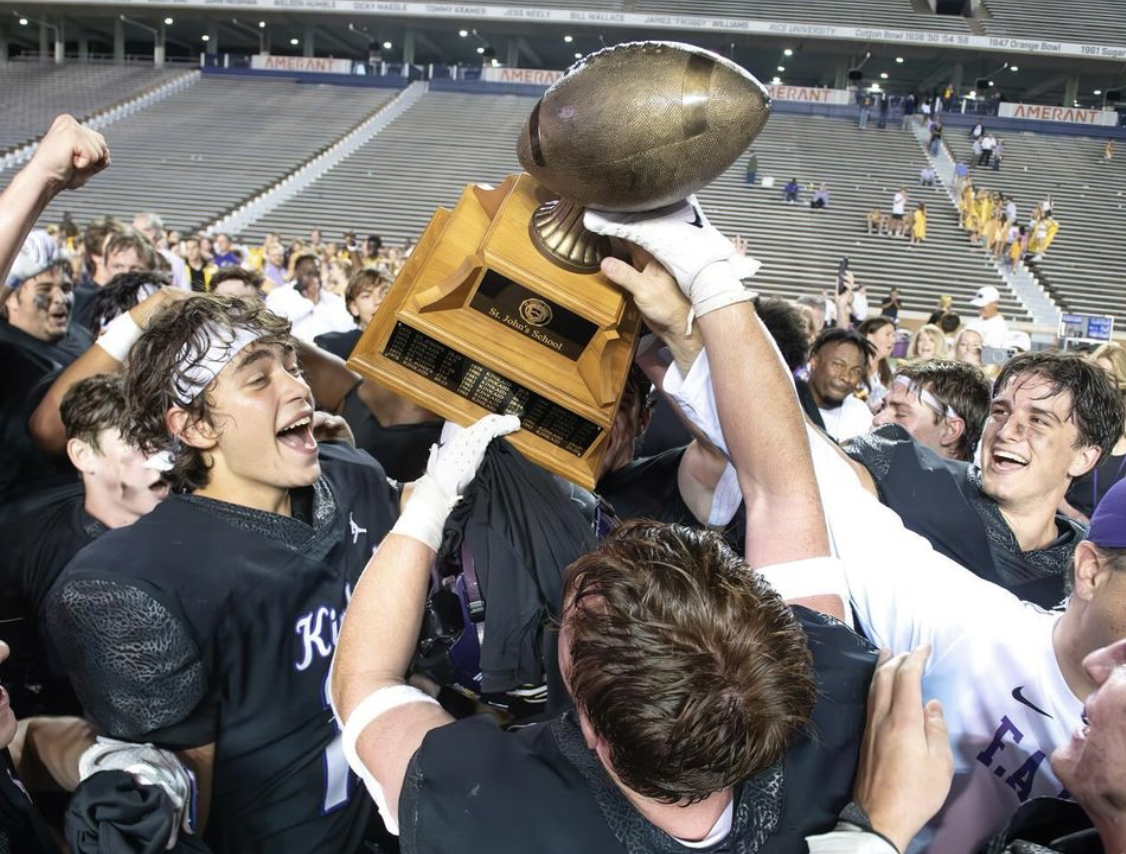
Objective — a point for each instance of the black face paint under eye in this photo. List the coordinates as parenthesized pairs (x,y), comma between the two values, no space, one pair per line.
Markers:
(43,301)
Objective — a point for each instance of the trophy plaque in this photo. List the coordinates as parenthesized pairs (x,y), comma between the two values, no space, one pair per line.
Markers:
(501,307)
(480,320)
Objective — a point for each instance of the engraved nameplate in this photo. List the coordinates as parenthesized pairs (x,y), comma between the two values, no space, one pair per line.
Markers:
(531,315)
(466,378)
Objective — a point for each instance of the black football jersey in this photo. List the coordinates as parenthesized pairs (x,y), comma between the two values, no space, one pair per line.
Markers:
(207,622)
(649,488)
(22,831)
(958,519)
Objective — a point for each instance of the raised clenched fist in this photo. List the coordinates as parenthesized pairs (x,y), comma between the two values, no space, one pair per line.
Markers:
(69,154)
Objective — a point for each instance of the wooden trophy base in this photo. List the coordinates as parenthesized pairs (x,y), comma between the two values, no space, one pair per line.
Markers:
(480,320)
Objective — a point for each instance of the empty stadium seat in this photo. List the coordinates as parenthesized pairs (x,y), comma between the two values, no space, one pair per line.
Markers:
(423,160)
(893,14)
(206,149)
(1101,21)
(32,93)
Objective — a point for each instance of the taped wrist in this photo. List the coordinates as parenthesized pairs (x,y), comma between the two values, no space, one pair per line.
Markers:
(717,286)
(380,701)
(119,337)
(425,513)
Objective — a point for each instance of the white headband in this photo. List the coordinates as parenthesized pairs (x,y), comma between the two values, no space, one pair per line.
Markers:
(196,374)
(926,397)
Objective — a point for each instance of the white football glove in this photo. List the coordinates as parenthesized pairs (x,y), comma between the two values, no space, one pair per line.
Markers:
(453,465)
(149,766)
(704,263)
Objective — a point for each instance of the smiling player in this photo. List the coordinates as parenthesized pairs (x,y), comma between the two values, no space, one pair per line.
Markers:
(208,626)
(1051,419)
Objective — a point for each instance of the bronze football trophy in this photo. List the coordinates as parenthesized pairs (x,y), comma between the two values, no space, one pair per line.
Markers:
(502,308)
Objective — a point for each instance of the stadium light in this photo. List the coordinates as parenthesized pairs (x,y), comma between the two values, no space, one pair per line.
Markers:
(781,68)
(1098,91)
(23,22)
(777,81)
(205,38)
(991,84)
(387,45)
(294,42)
(261,25)
(973,94)
(496,63)
(883,75)
(788,52)
(1014,68)
(480,50)
(168,22)
(899,60)
(578,55)
(568,39)
(463,33)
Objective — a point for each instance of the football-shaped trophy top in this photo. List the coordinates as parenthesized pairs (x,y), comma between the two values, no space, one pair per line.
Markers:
(641,125)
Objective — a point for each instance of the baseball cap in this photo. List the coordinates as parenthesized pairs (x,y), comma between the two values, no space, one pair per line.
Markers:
(1018,340)
(1108,525)
(985,296)
(39,253)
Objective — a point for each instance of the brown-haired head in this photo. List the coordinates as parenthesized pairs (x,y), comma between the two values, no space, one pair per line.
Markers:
(364,281)
(1096,403)
(685,663)
(176,340)
(92,405)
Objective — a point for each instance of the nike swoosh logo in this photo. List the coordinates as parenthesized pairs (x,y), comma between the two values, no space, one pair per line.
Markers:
(1020,698)
(699,220)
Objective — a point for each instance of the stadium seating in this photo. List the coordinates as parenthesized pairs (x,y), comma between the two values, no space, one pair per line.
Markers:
(424,159)
(801,248)
(203,150)
(33,93)
(1101,21)
(893,14)
(1084,269)
(601,5)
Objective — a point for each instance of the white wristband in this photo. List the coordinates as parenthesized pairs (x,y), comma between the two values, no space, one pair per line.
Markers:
(717,286)
(375,704)
(424,515)
(118,338)
(816,576)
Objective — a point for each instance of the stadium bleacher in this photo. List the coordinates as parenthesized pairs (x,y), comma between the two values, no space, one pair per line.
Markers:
(204,150)
(32,93)
(392,185)
(894,14)
(1099,21)
(1082,270)
(801,248)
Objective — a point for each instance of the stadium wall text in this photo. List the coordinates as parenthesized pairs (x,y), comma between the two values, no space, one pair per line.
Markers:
(470,12)
(304,64)
(1074,115)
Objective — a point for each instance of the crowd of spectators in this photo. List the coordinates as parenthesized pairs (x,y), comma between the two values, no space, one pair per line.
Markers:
(992,220)
(841,586)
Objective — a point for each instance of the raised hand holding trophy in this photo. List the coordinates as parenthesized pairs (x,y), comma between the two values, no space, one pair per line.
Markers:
(501,306)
